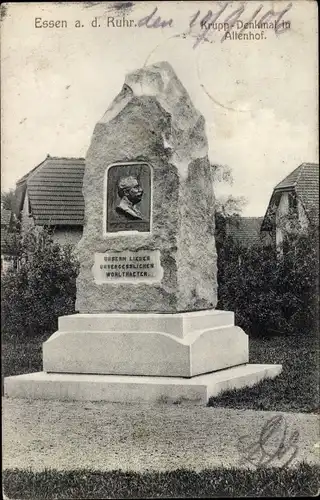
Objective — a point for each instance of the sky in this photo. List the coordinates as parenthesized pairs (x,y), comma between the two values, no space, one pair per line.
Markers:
(259,98)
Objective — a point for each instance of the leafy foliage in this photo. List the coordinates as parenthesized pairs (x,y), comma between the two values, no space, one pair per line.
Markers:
(11,241)
(227,205)
(222,173)
(8,199)
(272,290)
(41,287)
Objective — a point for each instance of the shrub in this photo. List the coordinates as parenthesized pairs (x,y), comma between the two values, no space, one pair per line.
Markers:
(271,292)
(41,288)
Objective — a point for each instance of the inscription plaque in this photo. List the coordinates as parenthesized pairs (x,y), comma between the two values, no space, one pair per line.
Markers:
(128,197)
(127,266)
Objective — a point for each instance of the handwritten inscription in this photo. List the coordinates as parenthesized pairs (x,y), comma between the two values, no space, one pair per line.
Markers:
(153,21)
(127,266)
(274,443)
(223,20)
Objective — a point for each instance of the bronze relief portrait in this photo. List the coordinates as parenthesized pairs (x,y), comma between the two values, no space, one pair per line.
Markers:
(128,197)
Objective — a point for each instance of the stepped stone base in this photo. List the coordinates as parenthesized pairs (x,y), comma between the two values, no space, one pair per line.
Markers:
(130,389)
(166,345)
(142,358)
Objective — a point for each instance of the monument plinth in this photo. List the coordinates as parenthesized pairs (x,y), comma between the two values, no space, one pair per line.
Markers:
(146,328)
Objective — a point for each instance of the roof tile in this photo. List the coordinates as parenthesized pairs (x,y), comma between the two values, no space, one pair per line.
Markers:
(55,192)
(307,189)
(246,230)
(290,180)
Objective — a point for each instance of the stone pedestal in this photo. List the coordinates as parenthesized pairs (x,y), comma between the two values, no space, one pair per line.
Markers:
(142,358)
(165,345)
(132,389)
(147,328)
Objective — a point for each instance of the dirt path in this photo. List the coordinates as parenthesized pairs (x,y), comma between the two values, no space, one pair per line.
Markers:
(103,436)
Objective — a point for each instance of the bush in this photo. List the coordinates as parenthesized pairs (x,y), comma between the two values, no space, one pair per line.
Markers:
(271,292)
(41,288)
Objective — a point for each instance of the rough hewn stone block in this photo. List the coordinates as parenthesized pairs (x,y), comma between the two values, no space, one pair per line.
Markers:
(153,120)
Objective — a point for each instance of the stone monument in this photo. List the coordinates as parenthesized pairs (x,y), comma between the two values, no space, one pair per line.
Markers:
(146,328)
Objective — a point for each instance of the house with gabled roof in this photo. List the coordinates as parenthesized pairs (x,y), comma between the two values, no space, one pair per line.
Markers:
(50,195)
(296,198)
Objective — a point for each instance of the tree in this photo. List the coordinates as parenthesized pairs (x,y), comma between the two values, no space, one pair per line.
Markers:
(222,173)
(273,291)
(8,200)
(228,207)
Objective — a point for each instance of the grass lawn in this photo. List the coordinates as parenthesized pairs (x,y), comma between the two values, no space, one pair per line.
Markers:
(21,357)
(295,389)
(218,483)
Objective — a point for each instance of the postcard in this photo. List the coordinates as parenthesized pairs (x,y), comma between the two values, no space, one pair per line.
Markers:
(159,249)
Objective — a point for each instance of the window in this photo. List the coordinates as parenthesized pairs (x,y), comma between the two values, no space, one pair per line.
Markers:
(293,202)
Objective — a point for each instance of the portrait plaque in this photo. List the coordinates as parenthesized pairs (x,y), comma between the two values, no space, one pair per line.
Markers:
(128,197)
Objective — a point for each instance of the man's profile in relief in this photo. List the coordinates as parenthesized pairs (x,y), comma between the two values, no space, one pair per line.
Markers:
(130,192)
